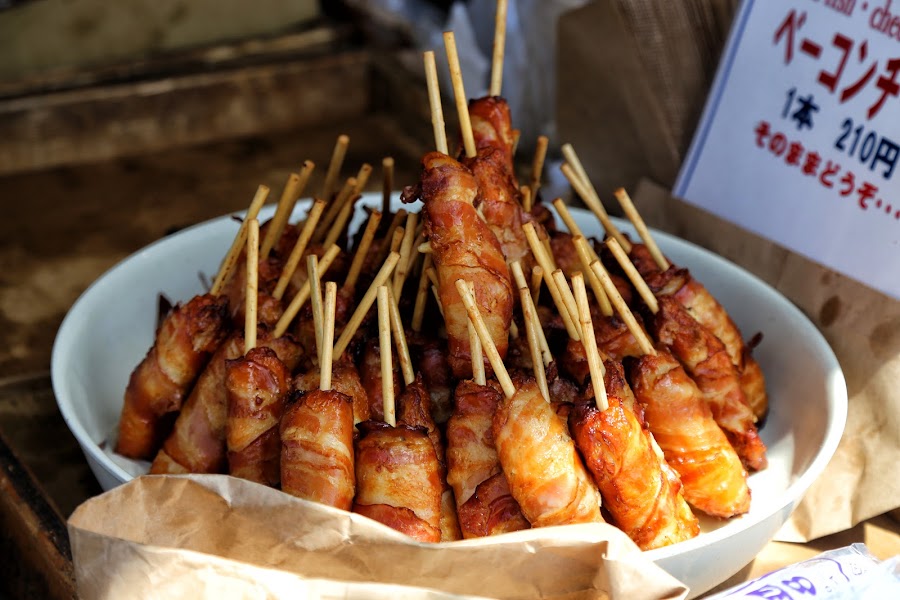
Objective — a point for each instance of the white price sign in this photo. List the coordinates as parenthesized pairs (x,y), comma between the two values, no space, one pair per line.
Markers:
(800,138)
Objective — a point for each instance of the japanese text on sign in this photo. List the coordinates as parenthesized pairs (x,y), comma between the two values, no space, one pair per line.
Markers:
(799,139)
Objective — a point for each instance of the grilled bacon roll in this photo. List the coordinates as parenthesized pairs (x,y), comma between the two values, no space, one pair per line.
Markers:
(197,442)
(492,127)
(694,445)
(471,455)
(257,385)
(344,379)
(398,479)
(463,247)
(491,510)
(184,342)
(317,449)
(705,359)
(701,305)
(639,491)
(414,410)
(537,454)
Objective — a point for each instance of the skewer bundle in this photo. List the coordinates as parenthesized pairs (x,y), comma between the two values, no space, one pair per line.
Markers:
(311,401)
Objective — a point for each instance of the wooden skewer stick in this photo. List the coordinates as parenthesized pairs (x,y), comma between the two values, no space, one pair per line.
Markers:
(586,255)
(334,209)
(636,280)
(387,367)
(499,46)
(303,295)
(487,342)
(459,92)
(527,199)
(406,366)
(365,304)
(437,298)
(359,258)
(635,217)
(387,183)
(532,327)
(262,192)
(537,277)
(623,310)
(337,228)
(475,350)
(540,253)
(569,220)
(326,359)
(537,165)
(362,178)
(250,296)
(593,203)
(434,101)
(399,217)
(293,189)
(409,232)
(566,293)
(312,268)
(519,276)
(315,213)
(421,295)
(590,343)
(334,166)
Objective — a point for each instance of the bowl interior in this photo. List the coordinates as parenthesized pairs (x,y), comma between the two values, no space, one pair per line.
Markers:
(111,326)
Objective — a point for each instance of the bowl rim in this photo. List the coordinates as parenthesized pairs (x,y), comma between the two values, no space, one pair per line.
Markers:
(836,384)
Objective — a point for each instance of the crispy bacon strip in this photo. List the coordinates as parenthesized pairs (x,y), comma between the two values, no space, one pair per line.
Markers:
(197,442)
(694,445)
(464,247)
(491,510)
(160,383)
(344,379)
(545,474)
(471,455)
(257,385)
(705,358)
(317,449)
(638,489)
(398,480)
(498,197)
(415,411)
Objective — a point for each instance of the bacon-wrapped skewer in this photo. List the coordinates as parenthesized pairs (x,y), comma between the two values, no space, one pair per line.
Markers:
(184,342)
(257,385)
(463,246)
(398,475)
(317,434)
(706,359)
(682,423)
(197,442)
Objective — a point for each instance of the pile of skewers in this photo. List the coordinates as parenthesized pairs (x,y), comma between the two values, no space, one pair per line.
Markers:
(635,404)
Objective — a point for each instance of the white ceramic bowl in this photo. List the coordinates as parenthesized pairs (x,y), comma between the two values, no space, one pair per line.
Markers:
(111,326)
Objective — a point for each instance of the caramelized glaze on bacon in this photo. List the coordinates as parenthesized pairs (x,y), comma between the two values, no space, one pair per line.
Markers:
(464,247)
(256,385)
(491,510)
(705,359)
(317,449)
(471,455)
(344,379)
(159,384)
(641,494)
(694,445)
(543,468)
(398,479)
